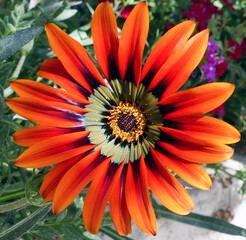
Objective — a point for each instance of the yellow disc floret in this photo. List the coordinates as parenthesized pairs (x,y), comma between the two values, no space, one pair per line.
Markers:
(127,121)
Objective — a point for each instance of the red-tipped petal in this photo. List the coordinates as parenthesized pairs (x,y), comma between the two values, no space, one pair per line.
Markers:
(53,69)
(54,150)
(48,113)
(118,208)
(167,44)
(30,136)
(138,199)
(99,194)
(167,188)
(35,90)
(105,39)
(74,58)
(209,129)
(192,149)
(132,41)
(189,104)
(54,176)
(192,173)
(174,73)
(76,179)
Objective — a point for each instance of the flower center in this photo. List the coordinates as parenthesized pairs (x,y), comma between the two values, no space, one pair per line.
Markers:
(127,121)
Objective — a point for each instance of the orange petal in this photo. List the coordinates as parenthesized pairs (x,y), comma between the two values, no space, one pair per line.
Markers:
(192,173)
(74,58)
(76,179)
(138,199)
(171,40)
(209,129)
(192,149)
(99,194)
(45,112)
(174,73)
(118,209)
(167,188)
(53,69)
(54,176)
(132,41)
(30,136)
(105,39)
(54,150)
(35,90)
(192,103)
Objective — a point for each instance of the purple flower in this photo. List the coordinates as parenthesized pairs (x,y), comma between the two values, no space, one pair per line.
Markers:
(219,111)
(212,47)
(220,60)
(211,58)
(209,72)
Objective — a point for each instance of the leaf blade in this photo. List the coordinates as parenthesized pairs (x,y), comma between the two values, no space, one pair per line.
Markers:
(26,224)
(202,221)
(12,43)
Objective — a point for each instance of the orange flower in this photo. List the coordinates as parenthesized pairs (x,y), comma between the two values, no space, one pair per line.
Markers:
(126,133)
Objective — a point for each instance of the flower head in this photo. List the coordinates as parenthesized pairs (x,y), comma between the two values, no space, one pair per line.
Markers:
(126,133)
(212,47)
(216,66)
(221,66)
(201,11)
(236,50)
(219,111)
(209,71)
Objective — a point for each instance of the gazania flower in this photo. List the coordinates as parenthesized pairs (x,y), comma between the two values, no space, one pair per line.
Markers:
(123,134)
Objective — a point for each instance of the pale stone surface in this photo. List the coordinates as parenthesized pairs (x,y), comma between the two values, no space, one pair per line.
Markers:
(206,203)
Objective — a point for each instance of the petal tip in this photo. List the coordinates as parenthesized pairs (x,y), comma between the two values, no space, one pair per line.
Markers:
(18,164)
(47,200)
(189,23)
(54,210)
(47,25)
(143,4)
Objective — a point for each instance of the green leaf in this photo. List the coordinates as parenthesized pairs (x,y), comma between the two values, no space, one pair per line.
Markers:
(42,235)
(91,236)
(106,221)
(5,71)
(113,234)
(26,224)
(20,203)
(4,133)
(12,195)
(14,42)
(66,14)
(198,220)
(32,191)
(4,11)
(61,216)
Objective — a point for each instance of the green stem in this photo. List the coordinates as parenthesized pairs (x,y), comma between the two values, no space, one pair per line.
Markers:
(6,150)
(12,196)
(21,203)
(8,91)
(13,124)
(56,224)
(113,234)
(18,68)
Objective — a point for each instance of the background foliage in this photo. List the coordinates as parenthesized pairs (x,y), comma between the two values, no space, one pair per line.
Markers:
(24,46)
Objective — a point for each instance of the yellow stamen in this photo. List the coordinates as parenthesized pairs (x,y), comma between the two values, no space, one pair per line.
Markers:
(127,121)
